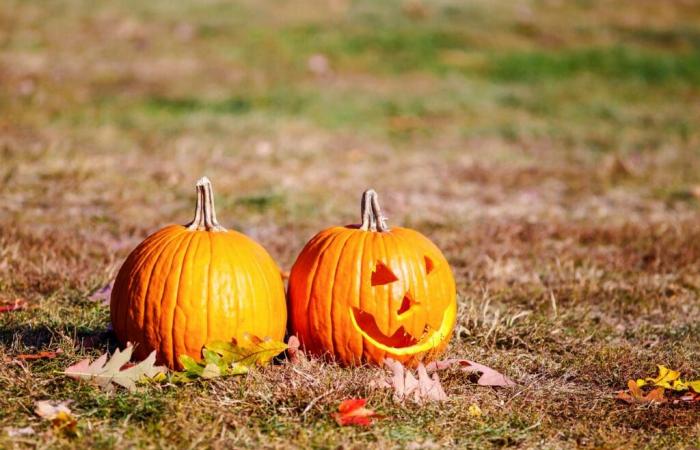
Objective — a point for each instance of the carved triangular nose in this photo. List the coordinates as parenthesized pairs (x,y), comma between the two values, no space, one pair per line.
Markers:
(406,304)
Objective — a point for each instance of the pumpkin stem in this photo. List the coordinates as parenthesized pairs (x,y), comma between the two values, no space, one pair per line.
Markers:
(372,218)
(204,213)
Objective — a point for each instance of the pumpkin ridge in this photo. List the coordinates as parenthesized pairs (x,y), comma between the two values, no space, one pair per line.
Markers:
(165,335)
(158,248)
(143,324)
(324,243)
(321,320)
(367,263)
(185,269)
(358,281)
(259,265)
(389,301)
(334,343)
(118,307)
(150,267)
(208,319)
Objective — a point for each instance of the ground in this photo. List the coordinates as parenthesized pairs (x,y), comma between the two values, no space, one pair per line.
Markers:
(549,148)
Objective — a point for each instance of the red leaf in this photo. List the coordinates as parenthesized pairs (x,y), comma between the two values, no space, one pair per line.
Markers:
(353,412)
(18,304)
(352,404)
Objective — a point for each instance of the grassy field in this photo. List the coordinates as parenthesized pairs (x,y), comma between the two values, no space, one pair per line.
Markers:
(550,148)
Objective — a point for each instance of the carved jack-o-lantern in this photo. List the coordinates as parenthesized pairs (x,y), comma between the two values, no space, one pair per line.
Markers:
(363,293)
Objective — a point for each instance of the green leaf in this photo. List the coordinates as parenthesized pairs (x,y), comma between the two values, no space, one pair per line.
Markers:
(191,366)
(221,358)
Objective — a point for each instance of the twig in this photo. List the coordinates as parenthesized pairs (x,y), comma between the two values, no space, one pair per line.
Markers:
(316,399)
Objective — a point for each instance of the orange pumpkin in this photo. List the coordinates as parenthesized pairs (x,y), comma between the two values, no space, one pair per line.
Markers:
(362,293)
(185,286)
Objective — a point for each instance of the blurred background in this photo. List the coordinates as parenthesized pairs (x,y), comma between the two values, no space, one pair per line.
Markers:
(458,112)
(550,148)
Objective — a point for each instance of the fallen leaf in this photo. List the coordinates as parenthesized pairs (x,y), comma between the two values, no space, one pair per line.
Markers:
(249,352)
(294,354)
(489,376)
(59,414)
(353,412)
(39,355)
(221,358)
(667,378)
(406,386)
(19,432)
(104,373)
(635,394)
(17,305)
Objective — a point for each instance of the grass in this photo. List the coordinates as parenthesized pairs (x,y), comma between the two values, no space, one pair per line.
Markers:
(555,165)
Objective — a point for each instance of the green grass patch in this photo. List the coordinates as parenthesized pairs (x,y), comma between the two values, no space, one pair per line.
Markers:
(621,63)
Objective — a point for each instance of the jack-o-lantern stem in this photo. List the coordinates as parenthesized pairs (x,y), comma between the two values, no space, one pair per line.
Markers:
(204,213)
(372,218)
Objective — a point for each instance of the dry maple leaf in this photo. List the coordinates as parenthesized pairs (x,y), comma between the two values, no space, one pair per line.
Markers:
(489,376)
(353,412)
(406,386)
(635,395)
(104,373)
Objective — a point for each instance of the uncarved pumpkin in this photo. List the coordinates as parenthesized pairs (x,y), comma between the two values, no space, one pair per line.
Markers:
(187,285)
(361,293)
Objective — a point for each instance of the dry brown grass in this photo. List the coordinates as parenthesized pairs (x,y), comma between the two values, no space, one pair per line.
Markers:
(566,202)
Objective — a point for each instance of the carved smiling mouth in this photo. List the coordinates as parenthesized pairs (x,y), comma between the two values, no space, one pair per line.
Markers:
(401,342)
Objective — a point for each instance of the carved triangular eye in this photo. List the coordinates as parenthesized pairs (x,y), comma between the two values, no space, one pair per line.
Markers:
(382,275)
(429,265)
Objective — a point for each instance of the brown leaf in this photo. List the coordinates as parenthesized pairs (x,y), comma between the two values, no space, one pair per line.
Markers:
(293,351)
(353,412)
(489,376)
(635,394)
(407,386)
(39,355)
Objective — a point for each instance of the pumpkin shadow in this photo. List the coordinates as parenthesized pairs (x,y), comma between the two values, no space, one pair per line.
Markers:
(42,337)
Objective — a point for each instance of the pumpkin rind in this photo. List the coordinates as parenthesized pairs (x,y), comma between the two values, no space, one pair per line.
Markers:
(333,275)
(185,286)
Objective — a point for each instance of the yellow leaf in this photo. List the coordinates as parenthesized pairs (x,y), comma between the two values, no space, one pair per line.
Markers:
(251,350)
(641,382)
(665,378)
(679,385)
(694,385)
